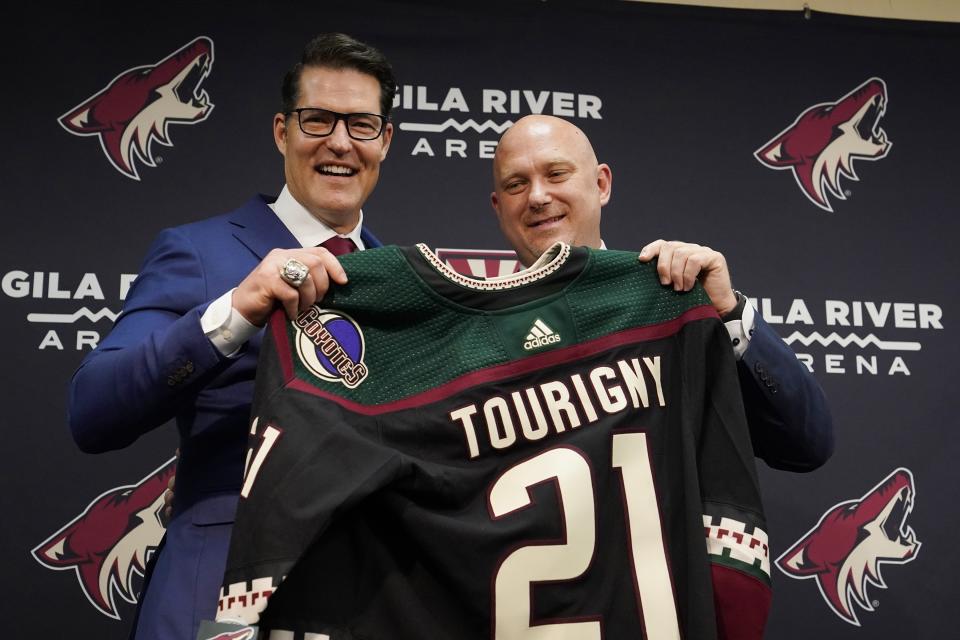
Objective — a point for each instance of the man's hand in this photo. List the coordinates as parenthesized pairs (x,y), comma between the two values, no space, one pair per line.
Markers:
(682,263)
(167,512)
(260,291)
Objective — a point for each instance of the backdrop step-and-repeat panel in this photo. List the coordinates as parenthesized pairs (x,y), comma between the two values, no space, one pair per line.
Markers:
(820,155)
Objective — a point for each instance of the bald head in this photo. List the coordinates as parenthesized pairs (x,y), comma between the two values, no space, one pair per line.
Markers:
(548,130)
(548,186)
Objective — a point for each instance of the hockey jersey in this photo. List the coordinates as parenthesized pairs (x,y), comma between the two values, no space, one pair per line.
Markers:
(561,453)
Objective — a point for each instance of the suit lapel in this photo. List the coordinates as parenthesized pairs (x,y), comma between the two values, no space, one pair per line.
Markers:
(258,228)
(370,241)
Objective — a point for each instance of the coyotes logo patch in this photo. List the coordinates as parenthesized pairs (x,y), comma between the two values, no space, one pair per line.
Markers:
(822,143)
(140,104)
(111,540)
(330,345)
(844,551)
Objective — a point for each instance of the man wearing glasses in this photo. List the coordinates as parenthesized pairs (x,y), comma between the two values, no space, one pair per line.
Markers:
(186,344)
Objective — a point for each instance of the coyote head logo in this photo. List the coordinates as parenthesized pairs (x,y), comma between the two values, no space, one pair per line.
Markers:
(824,140)
(140,104)
(111,540)
(844,551)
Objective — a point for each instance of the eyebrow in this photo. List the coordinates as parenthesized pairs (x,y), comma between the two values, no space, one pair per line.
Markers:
(552,164)
(562,163)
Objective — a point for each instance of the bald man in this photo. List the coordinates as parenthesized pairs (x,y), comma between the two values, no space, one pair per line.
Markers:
(549,187)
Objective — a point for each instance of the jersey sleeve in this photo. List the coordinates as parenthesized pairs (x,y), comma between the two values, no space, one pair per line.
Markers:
(733,519)
(308,460)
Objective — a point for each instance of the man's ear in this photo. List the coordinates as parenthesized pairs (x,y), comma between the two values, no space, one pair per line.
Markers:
(604,183)
(495,203)
(387,138)
(280,132)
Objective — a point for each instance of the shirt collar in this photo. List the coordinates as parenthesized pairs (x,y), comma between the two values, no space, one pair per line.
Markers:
(309,231)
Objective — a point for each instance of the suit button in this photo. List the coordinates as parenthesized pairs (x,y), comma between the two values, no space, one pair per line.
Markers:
(189,367)
(773,387)
(171,382)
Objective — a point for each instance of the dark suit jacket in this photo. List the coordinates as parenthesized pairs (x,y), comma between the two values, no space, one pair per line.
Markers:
(790,423)
(156,365)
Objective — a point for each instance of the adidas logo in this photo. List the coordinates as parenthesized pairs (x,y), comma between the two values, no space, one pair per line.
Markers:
(540,336)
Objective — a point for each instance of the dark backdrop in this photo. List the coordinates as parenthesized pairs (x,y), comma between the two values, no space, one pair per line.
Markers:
(685,97)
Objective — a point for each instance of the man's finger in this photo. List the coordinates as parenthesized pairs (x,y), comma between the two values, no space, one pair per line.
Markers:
(307,293)
(692,270)
(289,299)
(330,263)
(321,280)
(678,266)
(651,250)
(664,263)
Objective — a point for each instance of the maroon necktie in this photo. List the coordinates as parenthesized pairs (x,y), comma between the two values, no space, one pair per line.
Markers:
(339,246)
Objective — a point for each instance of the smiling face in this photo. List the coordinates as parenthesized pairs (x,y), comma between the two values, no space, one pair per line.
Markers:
(332,176)
(548,186)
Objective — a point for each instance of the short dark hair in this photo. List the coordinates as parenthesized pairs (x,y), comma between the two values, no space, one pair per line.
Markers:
(340,51)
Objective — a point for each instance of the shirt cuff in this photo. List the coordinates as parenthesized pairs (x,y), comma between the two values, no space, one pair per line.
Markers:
(741,329)
(225,327)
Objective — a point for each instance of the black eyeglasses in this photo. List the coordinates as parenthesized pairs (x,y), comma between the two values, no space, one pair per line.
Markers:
(321,122)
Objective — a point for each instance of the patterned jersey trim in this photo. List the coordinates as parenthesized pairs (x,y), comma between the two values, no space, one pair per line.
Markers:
(553,259)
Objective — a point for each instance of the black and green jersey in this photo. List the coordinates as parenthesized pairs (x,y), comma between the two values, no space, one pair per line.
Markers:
(561,453)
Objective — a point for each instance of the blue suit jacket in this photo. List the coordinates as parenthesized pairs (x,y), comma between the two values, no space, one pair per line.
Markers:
(790,423)
(156,364)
